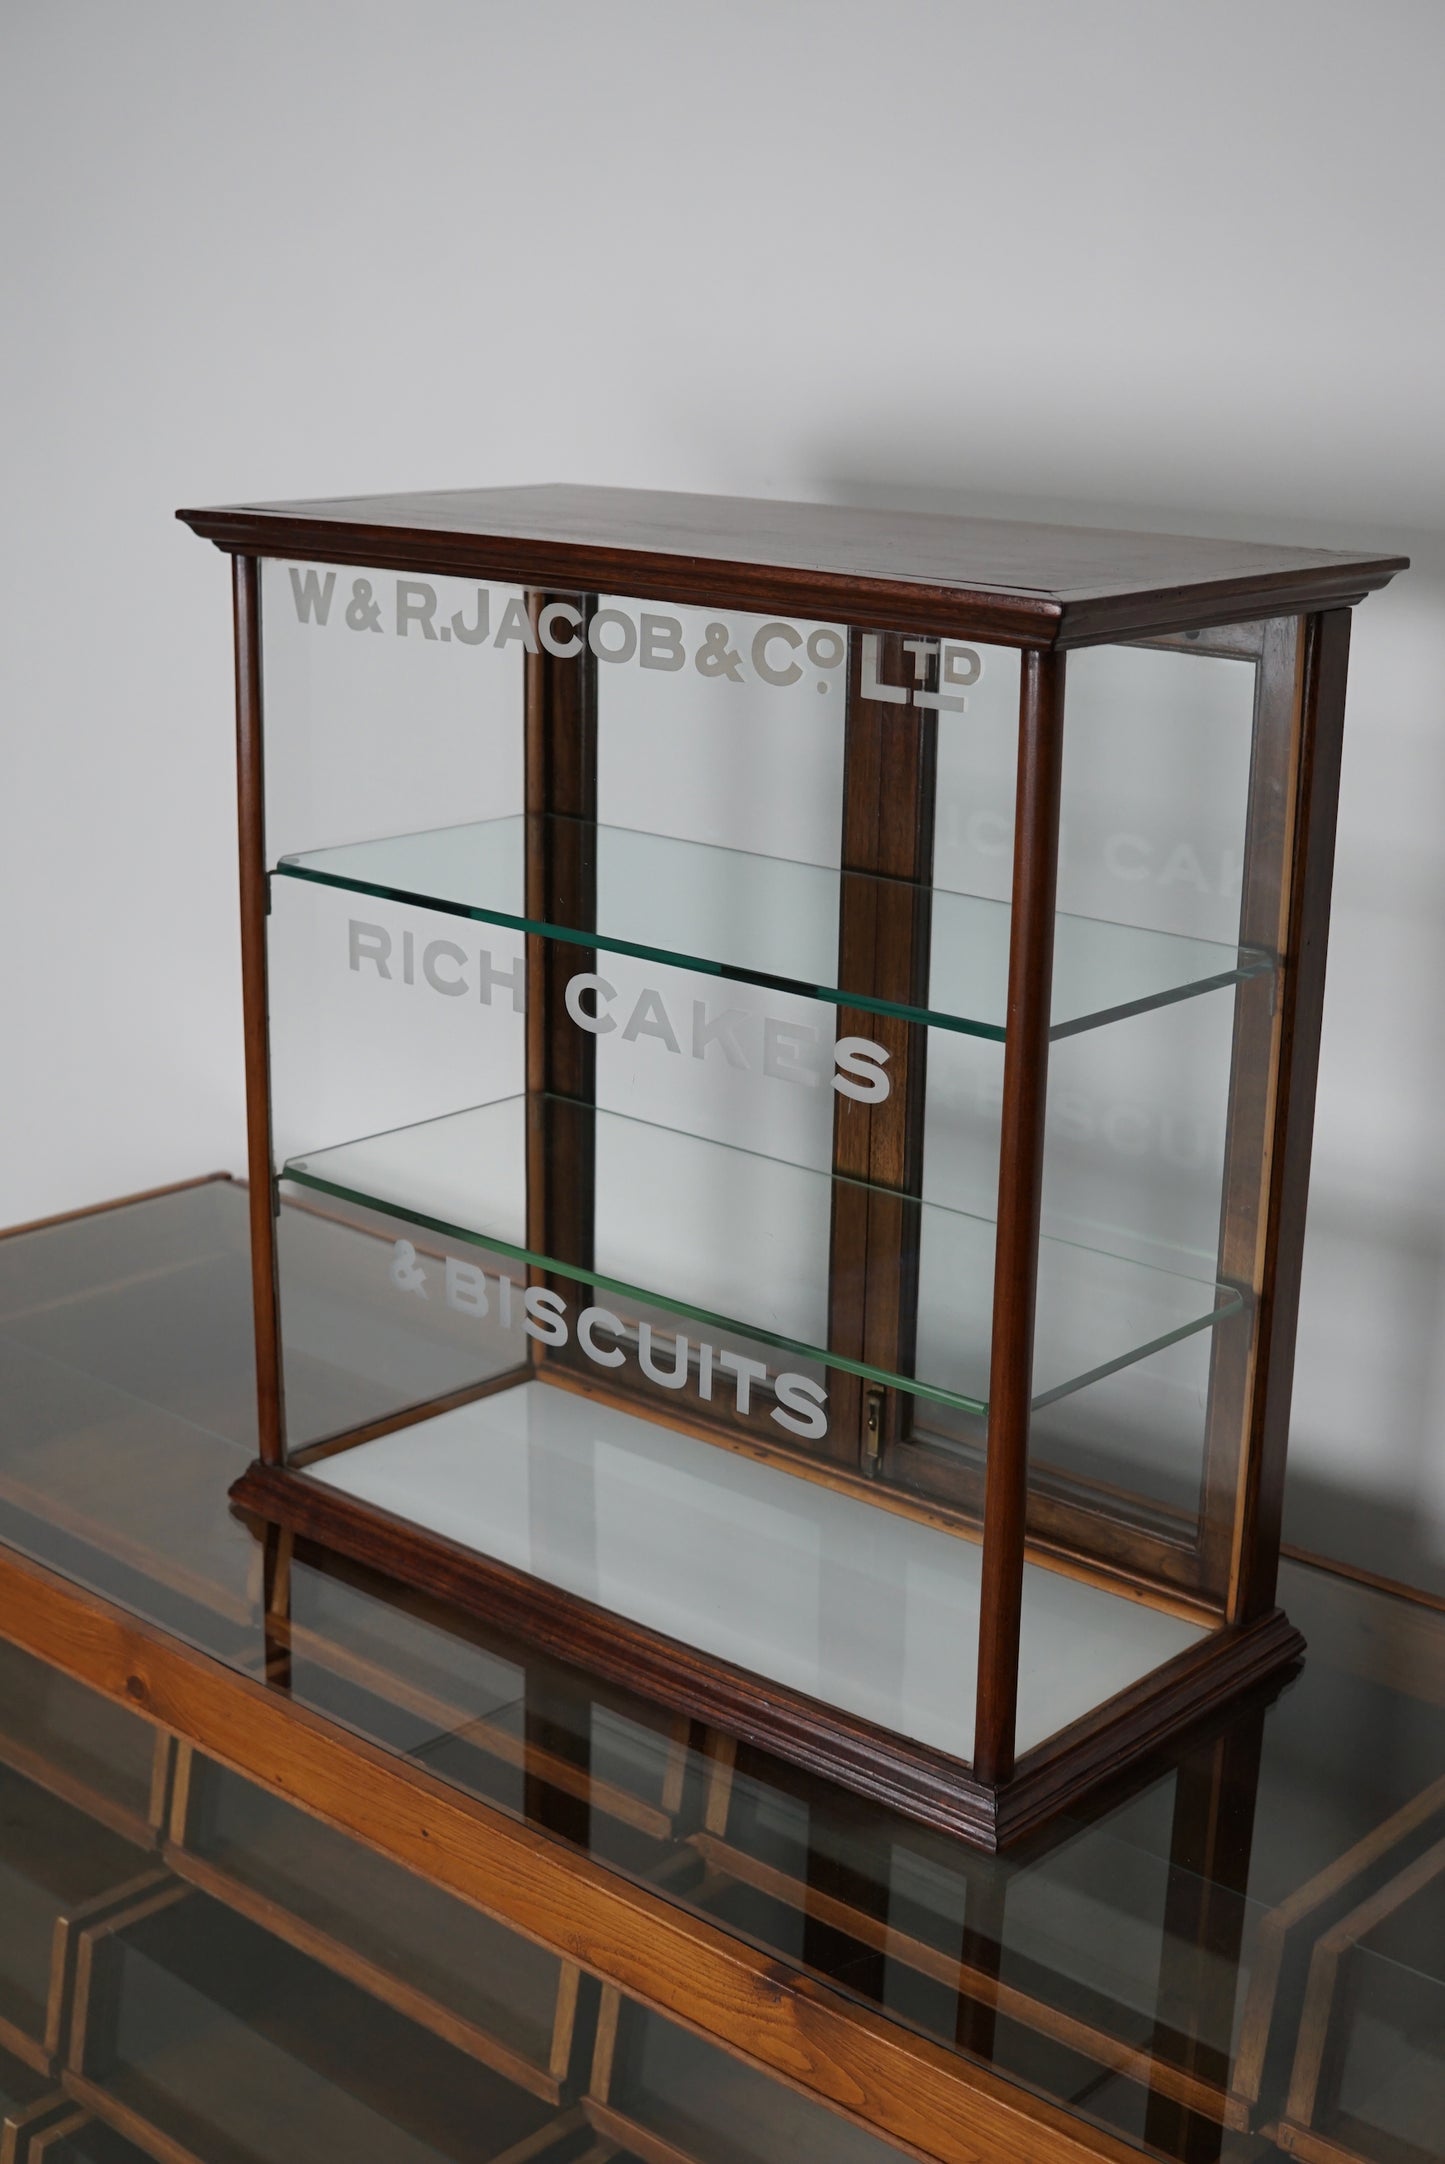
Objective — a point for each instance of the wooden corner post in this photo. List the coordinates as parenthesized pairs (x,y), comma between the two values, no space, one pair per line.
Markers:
(255,908)
(1258,1522)
(1020,1193)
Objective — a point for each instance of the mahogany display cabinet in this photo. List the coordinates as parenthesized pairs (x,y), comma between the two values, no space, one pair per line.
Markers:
(781,1048)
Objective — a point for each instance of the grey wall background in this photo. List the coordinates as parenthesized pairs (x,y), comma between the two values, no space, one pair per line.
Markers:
(1129,260)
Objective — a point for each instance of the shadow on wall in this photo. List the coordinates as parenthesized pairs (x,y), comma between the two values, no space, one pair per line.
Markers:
(1367,1471)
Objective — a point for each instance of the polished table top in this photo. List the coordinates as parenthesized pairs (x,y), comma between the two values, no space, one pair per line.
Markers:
(1240,1956)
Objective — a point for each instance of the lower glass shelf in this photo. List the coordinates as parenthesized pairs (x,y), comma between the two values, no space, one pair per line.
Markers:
(738,1241)
(866,1609)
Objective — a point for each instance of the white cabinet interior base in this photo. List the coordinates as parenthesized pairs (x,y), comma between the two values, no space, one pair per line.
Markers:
(821,1591)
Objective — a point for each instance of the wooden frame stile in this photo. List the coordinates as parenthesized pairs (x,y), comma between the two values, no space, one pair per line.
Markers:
(1259,1512)
(890,764)
(255,1006)
(560,875)
(1020,1200)
(560,794)
(1269,862)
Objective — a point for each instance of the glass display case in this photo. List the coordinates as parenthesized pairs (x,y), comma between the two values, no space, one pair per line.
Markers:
(780,1054)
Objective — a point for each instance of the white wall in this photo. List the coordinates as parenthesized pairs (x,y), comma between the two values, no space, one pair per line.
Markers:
(1132,260)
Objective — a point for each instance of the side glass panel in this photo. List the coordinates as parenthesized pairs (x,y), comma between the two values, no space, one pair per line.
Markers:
(1174,812)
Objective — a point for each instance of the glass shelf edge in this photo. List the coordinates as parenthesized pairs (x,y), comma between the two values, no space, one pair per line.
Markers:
(1229,1302)
(1252,962)
(758,1333)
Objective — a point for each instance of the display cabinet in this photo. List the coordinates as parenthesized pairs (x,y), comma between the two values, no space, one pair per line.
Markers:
(781,1048)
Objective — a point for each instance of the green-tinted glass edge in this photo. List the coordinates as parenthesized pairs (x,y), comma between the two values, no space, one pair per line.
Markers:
(963,1025)
(889,1378)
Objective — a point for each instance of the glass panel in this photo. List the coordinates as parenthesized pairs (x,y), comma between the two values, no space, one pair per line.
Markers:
(390,703)
(470,1970)
(158,1249)
(148,1317)
(1135,1155)
(1156,783)
(221,2038)
(708,1192)
(121,1495)
(1161,756)
(722,756)
(713,2109)
(379,1020)
(486,1714)
(72,1740)
(110,1486)
(348,1047)
(1382,2091)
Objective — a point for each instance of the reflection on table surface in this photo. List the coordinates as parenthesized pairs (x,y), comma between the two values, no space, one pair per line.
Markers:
(1242,1955)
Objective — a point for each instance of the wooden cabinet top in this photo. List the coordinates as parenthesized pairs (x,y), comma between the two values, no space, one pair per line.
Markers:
(1023,584)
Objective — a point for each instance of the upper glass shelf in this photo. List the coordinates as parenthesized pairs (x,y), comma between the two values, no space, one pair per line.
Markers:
(732,1240)
(766,920)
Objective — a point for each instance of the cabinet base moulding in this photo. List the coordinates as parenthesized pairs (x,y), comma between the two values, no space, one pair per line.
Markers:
(911,1777)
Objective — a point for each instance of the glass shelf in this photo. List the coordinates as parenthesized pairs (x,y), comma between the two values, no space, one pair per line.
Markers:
(746,1241)
(766,920)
